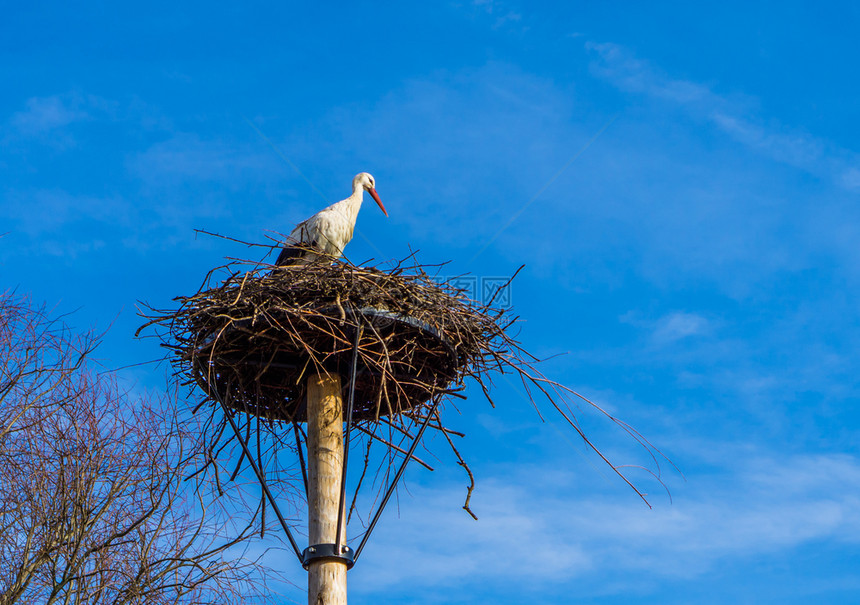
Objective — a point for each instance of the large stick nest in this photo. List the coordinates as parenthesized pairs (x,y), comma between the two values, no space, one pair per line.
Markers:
(255,338)
(253,334)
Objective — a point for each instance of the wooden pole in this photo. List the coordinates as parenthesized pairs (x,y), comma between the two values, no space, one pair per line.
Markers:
(326,579)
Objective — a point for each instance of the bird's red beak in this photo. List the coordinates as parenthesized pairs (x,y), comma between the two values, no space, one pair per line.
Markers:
(375,197)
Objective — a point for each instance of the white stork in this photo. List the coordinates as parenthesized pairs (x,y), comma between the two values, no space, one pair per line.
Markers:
(329,230)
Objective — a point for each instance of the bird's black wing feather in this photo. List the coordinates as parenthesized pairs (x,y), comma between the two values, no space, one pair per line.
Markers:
(288,255)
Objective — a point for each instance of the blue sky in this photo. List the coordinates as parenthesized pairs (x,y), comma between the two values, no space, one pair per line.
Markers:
(693,251)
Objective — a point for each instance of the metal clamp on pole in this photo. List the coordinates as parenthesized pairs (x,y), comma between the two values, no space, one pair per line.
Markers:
(328,552)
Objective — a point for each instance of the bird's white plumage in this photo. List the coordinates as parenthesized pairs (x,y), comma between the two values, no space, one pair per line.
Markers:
(329,230)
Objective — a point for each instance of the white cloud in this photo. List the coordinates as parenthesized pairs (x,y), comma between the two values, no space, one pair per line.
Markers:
(671,327)
(731,114)
(635,75)
(57,223)
(186,156)
(50,115)
(40,212)
(851,179)
(46,113)
(501,13)
(542,527)
(679,325)
(797,150)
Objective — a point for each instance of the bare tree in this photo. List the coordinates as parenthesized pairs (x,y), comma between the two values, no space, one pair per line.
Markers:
(93,503)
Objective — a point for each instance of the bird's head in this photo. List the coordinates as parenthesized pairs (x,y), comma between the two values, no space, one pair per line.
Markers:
(365,180)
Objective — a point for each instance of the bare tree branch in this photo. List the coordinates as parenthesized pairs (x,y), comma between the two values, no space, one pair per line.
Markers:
(93,505)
